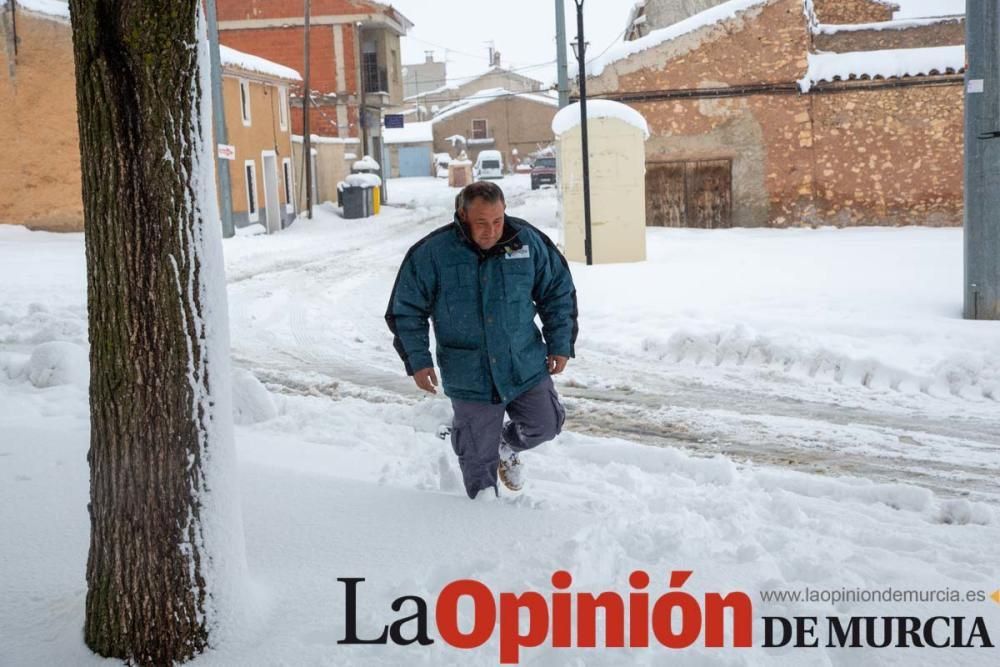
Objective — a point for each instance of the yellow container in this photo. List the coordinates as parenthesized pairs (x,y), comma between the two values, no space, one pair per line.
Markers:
(377,200)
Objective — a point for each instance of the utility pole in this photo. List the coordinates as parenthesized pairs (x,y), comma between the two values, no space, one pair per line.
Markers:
(581,57)
(219,123)
(306,130)
(982,162)
(561,65)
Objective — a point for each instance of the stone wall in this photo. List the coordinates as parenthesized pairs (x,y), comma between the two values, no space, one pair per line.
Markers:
(946,33)
(853,11)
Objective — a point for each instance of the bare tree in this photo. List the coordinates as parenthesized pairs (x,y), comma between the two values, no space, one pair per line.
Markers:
(166,540)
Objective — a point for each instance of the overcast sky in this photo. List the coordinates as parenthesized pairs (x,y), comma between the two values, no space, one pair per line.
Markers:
(522,30)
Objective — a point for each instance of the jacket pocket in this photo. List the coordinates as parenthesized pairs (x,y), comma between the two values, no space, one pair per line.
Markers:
(529,360)
(461,369)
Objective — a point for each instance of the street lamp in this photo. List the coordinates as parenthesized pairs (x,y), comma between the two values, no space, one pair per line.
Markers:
(580,51)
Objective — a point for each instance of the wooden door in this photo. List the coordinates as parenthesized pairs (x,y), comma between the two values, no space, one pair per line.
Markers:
(708,184)
(689,194)
(665,200)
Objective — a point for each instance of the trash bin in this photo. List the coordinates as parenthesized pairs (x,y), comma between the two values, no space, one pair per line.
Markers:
(369,185)
(354,200)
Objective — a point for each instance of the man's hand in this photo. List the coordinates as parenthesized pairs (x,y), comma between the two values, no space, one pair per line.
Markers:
(427,380)
(556,363)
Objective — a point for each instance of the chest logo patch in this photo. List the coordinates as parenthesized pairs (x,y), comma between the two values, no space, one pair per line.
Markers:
(524,252)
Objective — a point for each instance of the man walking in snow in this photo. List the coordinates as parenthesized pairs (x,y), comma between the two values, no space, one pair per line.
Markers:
(481,280)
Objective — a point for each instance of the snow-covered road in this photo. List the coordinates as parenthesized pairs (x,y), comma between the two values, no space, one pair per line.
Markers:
(860,397)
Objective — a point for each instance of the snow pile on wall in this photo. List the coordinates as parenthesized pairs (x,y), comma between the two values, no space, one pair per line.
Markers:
(832,28)
(411,133)
(250,63)
(714,15)
(569,116)
(886,64)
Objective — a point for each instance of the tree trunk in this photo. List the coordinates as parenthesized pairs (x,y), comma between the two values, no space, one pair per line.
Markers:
(153,417)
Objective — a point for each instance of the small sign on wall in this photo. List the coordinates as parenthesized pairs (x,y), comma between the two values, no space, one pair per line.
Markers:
(394,120)
(974,86)
(227,152)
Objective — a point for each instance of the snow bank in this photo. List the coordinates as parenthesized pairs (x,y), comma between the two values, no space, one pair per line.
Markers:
(252,403)
(885,64)
(712,16)
(959,375)
(411,133)
(569,116)
(251,63)
(58,363)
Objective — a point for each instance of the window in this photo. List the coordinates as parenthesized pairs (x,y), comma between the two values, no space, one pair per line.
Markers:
(283,107)
(250,174)
(286,170)
(245,101)
(479,129)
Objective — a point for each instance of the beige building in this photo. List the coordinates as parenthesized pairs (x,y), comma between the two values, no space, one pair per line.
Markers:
(258,124)
(40,170)
(40,183)
(496,119)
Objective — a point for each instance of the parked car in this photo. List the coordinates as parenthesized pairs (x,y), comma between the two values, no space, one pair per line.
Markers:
(543,172)
(489,164)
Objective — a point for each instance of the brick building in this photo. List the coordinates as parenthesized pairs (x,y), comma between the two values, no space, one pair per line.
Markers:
(792,112)
(354,57)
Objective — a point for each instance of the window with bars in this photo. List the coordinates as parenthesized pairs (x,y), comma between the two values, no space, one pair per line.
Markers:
(250,169)
(245,101)
(480,129)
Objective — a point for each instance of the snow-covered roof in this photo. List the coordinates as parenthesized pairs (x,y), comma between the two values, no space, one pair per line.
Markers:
(250,63)
(569,116)
(886,64)
(316,139)
(410,133)
(490,95)
(55,8)
(711,16)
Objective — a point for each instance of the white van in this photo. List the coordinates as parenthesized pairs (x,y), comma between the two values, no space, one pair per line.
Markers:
(489,164)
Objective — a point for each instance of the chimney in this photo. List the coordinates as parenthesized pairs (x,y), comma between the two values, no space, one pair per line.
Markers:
(428,56)
(496,59)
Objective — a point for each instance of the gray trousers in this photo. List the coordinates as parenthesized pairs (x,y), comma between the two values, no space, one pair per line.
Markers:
(536,416)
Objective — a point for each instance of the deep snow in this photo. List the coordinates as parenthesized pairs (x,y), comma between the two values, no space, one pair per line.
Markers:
(773,409)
